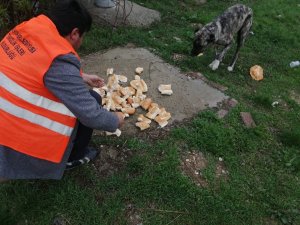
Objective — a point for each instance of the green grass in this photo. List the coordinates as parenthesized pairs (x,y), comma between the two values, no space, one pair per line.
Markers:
(263,162)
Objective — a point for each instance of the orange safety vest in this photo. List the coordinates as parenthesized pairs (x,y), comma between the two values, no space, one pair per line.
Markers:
(32,120)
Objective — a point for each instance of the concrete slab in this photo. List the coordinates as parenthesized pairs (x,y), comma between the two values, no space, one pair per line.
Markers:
(126,13)
(189,96)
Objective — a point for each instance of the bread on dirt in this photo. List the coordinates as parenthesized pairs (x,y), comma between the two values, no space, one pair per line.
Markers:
(142,125)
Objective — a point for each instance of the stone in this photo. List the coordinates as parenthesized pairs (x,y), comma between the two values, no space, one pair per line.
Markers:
(125,13)
(222,113)
(112,153)
(248,120)
(232,102)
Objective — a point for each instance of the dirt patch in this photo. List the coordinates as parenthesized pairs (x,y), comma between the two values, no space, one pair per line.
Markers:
(111,160)
(295,96)
(221,171)
(114,158)
(194,163)
(133,215)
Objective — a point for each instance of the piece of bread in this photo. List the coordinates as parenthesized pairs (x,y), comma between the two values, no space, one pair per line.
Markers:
(165,89)
(139,70)
(142,125)
(142,118)
(128,110)
(117,98)
(163,123)
(122,78)
(257,72)
(163,117)
(113,83)
(109,71)
(144,86)
(127,91)
(145,104)
(153,112)
(117,133)
(129,100)
(136,84)
(163,120)
(164,114)
(152,105)
(139,84)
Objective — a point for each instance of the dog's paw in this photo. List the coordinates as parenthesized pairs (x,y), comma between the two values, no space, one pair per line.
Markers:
(215,64)
(230,68)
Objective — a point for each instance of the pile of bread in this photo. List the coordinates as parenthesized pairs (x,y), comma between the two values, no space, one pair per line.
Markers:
(116,96)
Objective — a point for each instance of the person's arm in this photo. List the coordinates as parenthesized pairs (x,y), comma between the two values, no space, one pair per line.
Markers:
(64,81)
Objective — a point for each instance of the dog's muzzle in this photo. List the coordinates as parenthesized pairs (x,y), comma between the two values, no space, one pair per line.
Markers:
(196,52)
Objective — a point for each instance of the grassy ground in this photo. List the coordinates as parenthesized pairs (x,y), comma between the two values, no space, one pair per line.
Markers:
(263,162)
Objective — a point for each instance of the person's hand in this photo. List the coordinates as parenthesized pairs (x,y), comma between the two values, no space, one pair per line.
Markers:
(120,116)
(93,80)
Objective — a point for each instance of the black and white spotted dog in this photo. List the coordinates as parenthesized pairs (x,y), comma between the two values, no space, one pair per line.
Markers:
(235,20)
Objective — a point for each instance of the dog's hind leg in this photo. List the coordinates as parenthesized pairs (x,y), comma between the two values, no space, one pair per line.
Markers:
(241,37)
(215,64)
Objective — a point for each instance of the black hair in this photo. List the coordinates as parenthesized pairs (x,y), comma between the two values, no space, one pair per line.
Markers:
(70,14)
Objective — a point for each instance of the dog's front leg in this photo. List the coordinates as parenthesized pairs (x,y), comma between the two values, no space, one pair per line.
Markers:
(215,64)
(217,50)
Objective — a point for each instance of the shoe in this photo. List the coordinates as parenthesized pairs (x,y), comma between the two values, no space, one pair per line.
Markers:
(104,3)
(90,154)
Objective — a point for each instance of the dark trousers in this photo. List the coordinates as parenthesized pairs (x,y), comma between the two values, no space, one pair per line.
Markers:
(83,136)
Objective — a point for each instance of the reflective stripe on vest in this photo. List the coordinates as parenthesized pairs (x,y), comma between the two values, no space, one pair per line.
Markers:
(35,118)
(32,98)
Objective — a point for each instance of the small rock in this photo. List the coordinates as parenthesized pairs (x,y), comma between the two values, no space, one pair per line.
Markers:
(247,119)
(112,153)
(232,102)
(59,221)
(130,45)
(177,57)
(177,39)
(222,113)
(275,104)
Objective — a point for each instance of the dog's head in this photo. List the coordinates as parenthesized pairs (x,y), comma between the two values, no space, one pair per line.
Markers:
(203,37)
